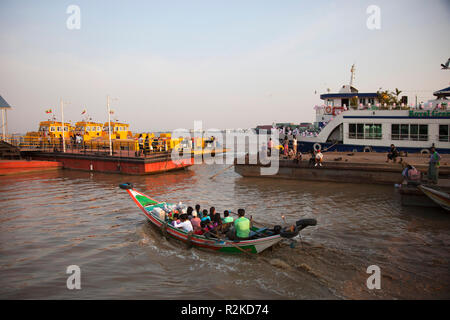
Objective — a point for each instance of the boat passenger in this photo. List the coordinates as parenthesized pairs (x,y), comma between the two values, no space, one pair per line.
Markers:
(214,216)
(189,212)
(184,224)
(241,230)
(202,229)
(433,166)
(393,154)
(175,219)
(197,209)
(217,219)
(205,215)
(226,217)
(196,222)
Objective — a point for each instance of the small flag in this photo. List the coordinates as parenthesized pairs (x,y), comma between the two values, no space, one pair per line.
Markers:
(48,111)
(84,111)
(111,111)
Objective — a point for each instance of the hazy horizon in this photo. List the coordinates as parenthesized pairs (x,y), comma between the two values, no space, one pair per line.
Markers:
(233,64)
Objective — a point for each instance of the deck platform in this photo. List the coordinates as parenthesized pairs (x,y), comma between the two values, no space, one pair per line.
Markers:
(347,167)
(119,162)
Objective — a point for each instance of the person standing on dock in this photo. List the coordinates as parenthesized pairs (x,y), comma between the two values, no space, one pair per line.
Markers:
(433,166)
(319,158)
(270,146)
(146,146)
(140,144)
(294,144)
(286,147)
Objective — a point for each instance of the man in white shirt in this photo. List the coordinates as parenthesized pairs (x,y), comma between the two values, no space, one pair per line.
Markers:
(185,224)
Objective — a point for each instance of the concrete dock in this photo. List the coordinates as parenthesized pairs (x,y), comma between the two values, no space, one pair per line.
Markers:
(347,167)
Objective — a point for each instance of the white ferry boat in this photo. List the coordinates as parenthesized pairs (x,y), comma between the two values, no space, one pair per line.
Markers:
(369,126)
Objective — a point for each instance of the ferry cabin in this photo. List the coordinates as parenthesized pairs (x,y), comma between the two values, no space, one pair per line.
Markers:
(88,130)
(118,131)
(54,129)
(375,130)
(338,102)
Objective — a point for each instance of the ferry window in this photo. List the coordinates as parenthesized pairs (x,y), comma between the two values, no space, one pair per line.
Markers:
(372,131)
(52,129)
(88,129)
(376,131)
(371,101)
(367,132)
(423,132)
(58,129)
(404,132)
(414,132)
(395,131)
(359,131)
(98,129)
(352,131)
(443,132)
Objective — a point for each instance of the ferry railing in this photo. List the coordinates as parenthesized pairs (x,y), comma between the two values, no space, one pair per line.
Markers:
(121,149)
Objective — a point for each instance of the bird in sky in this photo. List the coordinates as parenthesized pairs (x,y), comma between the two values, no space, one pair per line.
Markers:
(446,65)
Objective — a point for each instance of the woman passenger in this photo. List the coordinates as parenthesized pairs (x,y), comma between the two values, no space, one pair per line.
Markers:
(189,212)
(196,222)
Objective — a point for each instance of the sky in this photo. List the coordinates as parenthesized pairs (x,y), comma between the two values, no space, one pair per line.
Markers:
(230,64)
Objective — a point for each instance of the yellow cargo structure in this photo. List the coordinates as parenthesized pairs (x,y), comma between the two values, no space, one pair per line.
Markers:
(118,131)
(88,130)
(49,131)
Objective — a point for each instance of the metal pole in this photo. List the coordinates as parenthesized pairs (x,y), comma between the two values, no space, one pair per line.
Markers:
(62,119)
(109,125)
(3,125)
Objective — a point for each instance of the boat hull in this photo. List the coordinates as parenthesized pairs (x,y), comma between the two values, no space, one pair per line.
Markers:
(441,198)
(250,246)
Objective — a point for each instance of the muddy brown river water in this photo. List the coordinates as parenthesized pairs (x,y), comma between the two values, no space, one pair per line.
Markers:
(49,221)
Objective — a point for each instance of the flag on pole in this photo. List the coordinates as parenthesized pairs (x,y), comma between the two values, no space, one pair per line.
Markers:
(48,111)
(84,111)
(111,111)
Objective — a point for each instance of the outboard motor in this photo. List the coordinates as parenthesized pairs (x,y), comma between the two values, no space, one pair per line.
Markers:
(126,185)
(303,223)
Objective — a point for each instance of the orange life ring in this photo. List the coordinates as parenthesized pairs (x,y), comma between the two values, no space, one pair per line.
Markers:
(328,109)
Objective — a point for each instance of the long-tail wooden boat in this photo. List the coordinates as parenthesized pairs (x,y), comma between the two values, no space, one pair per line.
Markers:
(440,197)
(262,238)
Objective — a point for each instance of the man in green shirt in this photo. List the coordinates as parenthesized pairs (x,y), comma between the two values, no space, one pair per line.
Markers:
(241,226)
